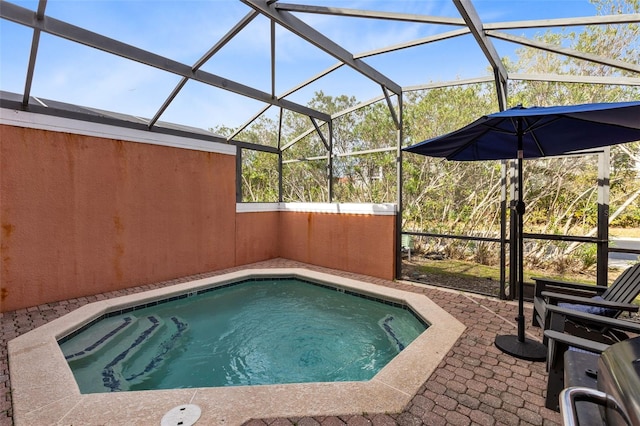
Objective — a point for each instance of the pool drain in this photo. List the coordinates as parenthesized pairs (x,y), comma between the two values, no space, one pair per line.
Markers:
(182,415)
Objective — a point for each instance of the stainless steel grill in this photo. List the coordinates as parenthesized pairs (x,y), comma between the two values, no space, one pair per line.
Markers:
(618,393)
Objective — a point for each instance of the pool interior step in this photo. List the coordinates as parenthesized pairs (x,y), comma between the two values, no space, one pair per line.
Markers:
(386,324)
(150,356)
(106,332)
(128,348)
(144,354)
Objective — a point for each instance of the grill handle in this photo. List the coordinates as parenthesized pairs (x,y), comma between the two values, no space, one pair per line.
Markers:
(571,395)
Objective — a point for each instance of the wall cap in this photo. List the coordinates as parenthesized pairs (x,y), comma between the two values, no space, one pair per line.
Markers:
(387,209)
(26,119)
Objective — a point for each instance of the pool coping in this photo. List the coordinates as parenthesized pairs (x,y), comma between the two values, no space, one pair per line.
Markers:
(44,390)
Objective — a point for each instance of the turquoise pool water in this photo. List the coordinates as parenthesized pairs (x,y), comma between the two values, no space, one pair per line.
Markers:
(251,333)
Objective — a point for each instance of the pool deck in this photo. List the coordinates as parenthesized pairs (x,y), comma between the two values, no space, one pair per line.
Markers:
(474,384)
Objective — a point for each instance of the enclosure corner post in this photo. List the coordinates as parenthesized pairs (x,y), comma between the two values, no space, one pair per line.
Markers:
(398,250)
(280,152)
(330,161)
(238,174)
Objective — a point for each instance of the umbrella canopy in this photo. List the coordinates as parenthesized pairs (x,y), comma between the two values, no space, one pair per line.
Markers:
(533,133)
(546,131)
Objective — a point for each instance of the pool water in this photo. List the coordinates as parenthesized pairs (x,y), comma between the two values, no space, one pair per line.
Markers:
(251,333)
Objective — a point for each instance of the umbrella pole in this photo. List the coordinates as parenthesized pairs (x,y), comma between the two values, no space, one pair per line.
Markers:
(520,209)
(519,346)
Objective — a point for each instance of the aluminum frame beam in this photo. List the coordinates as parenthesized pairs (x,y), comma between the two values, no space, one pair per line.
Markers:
(333,117)
(312,79)
(273,58)
(584,79)
(394,116)
(322,137)
(255,147)
(426,40)
(343,154)
(355,13)
(80,35)
(357,107)
(565,51)
(627,18)
(35,43)
(200,62)
(578,21)
(298,138)
(309,34)
(248,122)
(470,16)
(439,85)
(399,186)
(419,42)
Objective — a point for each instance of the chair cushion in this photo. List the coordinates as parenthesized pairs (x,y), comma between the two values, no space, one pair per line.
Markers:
(597,310)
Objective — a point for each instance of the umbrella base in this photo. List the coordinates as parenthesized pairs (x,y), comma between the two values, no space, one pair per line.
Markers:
(530,350)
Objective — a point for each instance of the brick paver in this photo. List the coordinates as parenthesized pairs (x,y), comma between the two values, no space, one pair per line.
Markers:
(475,384)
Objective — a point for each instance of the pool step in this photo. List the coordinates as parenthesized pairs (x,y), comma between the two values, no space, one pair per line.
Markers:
(386,324)
(144,354)
(108,331)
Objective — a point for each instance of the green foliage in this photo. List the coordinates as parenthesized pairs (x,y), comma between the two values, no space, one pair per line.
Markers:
(561,194)
(587,253)
(462,198)
(259,176)
(442,196)
(435,112)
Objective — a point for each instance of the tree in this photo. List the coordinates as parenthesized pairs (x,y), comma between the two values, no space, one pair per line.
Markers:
(308,179)
(259,169)
(460,198)
(561,193)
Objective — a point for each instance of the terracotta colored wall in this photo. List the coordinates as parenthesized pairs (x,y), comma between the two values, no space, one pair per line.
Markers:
(82,215)
(350,242)
(257,237)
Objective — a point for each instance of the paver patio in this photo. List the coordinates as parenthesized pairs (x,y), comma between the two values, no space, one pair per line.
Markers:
(475,384)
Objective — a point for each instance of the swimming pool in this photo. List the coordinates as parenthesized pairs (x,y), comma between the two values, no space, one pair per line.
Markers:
(252,332)
(44,390)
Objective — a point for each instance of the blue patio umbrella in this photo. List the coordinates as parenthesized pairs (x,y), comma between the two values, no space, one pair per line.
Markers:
(520,133)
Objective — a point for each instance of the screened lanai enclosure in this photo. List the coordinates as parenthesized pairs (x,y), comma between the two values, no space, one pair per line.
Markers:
(214,134)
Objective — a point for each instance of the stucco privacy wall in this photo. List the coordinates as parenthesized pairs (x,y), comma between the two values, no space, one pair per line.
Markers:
(84,211)
(257,233)
(83,214)
(350,237)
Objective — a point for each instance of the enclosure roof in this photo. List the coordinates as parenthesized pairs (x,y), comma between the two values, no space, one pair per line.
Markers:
(224,63)
(13,101)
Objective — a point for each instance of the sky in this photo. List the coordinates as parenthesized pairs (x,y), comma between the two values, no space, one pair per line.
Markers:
(183,30)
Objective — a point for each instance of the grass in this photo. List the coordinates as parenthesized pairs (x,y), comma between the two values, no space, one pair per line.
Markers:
(613,231)
(460,268)
(624,232)
(474,270)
